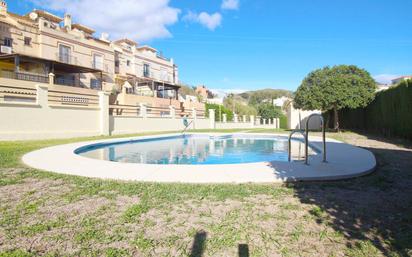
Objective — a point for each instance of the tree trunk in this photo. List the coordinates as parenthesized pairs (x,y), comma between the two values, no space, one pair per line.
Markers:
(336,118)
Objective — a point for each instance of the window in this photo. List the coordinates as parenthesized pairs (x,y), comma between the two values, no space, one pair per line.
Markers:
(95,84)
(8,42)
(128,63)
(129,90)
(146,70)
(64,54)
(163,74)
(27,41)
(98,62)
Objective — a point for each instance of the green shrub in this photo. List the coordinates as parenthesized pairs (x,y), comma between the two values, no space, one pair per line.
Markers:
(219,109)
(283,121)
(269,111)
(390,114)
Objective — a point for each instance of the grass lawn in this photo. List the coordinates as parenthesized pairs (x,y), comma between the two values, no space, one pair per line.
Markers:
(43,213)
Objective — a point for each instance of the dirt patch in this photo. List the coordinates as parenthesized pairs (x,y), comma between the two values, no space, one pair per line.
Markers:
(368,216)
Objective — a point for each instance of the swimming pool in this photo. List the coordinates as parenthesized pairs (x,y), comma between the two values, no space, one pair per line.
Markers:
(197,150)
(203,158)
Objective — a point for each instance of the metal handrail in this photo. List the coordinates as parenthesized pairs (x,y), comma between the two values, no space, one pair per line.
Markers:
(307,136)
(302,132)
(186,127)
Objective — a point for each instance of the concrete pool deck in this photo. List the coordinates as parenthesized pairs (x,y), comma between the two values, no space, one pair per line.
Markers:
(344,161)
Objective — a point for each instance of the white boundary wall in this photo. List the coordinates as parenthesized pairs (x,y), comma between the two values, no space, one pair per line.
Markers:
(40,119)
(297,118)
(250,123)
(129,125)
(46,115)
(51,111)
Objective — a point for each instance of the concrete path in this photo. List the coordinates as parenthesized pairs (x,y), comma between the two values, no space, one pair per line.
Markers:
(344,161)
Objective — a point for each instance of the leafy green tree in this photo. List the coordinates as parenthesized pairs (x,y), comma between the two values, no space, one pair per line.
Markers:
(257,97)
(335,88)
(238,106)
(269,111)
(219,111)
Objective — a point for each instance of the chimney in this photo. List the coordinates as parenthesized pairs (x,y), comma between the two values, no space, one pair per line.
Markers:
(68,21)
(3,7)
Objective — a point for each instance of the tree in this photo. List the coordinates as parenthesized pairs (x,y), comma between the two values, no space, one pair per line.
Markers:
(334,88)
(257,97)
(269,111)
(238,106)
(186,90)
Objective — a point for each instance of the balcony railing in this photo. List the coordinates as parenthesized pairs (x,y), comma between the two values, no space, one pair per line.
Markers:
(67,58)
(65,81)
(40,78)
(4,49)
(97,65)
(24,76)
(160,56)
(100,66)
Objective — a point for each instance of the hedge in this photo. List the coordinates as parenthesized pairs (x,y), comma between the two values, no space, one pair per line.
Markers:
(390,114)
(283,121)
(218,108)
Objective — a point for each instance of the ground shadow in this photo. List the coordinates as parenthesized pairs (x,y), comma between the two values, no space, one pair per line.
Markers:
(199,242)
(243,250)
(198,246)
(376,209)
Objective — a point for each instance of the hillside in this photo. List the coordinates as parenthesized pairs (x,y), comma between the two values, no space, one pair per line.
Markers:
(259,96)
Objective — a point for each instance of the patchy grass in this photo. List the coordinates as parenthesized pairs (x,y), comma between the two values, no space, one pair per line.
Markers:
(43,213)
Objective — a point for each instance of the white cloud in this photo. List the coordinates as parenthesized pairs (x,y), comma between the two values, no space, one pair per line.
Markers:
(136,19)
(230,5)
(385,78)
(210,21)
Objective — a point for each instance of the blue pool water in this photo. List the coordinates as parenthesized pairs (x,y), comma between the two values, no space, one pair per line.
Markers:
(196,150)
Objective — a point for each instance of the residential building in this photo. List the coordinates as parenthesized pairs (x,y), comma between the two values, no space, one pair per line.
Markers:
(218,101)
(381,87)
(204,93)
(43,47)
(39,43)
(280,102)
(400,79)
(142,70)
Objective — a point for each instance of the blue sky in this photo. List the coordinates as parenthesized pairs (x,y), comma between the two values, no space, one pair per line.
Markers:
(252,44)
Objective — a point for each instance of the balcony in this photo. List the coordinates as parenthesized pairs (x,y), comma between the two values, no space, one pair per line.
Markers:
(161,56)
(22,68)
(24,76)
(100,66)
(147,74)
(65,81)
(67,58)
(6,49)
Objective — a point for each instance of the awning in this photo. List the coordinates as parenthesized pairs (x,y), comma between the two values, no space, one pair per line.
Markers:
(58,66)
(166,86)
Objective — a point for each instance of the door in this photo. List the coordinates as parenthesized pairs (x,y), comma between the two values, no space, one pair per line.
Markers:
(64,54)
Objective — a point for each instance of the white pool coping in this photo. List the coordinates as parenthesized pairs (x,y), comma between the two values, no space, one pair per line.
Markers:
(344,161)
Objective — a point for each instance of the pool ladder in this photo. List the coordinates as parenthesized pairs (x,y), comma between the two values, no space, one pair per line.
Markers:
(305,134)
(186,127)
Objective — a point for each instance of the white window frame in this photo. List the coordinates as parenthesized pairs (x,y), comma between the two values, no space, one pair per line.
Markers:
(98,64)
